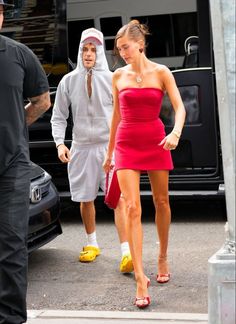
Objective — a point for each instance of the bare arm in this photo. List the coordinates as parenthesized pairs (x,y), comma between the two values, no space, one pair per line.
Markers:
(175,98)
(171,140)
(36,107)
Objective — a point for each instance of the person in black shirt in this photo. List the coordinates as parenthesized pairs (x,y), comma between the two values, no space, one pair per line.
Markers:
(22,77)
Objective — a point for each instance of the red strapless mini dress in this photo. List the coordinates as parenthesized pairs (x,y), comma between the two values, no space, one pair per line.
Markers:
(140,131)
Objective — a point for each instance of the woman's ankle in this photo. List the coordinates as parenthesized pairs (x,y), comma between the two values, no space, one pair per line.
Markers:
(163,265)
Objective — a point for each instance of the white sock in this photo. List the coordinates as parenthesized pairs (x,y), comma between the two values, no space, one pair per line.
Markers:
(124,248)
(92,239)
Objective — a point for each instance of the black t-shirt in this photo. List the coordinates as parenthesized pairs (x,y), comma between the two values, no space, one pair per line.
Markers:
(21,77)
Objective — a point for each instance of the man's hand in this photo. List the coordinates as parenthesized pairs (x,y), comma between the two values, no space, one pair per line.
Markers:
(63,153)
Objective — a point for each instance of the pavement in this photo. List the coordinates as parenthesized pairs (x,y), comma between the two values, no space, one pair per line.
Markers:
(76,293)
(103,317)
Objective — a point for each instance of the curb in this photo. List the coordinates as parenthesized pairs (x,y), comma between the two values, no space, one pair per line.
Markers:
(70,314)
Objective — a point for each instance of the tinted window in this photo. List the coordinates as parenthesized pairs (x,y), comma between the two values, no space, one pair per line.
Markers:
(75,29)
(168,33)
(190,97)
(110,25)
(109,44)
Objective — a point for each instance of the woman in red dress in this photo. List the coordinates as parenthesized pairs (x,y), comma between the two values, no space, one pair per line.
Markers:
(138,139)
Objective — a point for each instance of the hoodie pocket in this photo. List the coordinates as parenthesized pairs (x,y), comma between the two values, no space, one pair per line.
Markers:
(100,129)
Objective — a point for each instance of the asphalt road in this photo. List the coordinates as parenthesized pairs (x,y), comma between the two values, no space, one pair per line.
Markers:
(58,281)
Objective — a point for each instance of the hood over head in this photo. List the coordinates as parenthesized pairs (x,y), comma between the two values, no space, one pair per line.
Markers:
(91,114)
(92,35)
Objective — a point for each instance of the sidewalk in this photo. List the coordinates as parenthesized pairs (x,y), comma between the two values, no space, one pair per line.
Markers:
(103,317)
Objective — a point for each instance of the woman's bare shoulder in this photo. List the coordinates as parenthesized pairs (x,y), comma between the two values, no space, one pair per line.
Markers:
(117,72)
(161,68)
(121,70)
(163,73)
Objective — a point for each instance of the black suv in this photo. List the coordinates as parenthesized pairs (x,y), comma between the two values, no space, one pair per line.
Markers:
(197,160)
(44,209)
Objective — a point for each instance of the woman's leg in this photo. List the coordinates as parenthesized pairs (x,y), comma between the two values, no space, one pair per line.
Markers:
(159,184)
(121,221)
(126,264)
(129,185)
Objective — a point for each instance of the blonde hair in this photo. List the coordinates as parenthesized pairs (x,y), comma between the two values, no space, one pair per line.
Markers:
(134,31)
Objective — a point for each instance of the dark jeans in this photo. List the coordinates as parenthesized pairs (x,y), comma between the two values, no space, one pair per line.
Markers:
(14,205)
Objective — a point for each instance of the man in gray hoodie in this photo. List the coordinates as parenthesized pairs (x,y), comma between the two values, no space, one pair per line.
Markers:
(88,90)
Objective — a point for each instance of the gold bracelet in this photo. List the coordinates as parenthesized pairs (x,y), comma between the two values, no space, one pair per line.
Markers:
(176,133)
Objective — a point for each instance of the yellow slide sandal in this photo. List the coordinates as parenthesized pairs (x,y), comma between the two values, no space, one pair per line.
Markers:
(126,264)
(89,253)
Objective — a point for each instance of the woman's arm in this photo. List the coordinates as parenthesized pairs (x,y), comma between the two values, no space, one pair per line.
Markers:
(169,84)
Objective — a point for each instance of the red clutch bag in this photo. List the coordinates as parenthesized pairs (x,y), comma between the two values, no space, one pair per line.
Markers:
(112,192)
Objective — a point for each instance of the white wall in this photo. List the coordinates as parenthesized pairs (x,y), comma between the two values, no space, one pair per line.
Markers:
(89,9)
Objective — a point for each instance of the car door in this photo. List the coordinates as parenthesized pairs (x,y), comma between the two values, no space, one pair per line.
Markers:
(198,149)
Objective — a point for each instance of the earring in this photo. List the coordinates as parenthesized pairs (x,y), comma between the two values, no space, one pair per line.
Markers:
(141,50)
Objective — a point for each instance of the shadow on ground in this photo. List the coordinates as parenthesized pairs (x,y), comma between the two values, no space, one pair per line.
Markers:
(182,210)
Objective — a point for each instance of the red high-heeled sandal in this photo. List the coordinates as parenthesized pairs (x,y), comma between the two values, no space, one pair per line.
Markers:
(142,302)
(145,300)
(161,276)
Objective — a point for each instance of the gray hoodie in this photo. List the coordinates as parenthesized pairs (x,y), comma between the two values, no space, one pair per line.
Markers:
(91,115)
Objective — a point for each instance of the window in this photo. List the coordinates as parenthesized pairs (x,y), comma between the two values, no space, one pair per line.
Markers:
(76,28)
(109,28)
(190,99)
(168,33)
(110,25)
